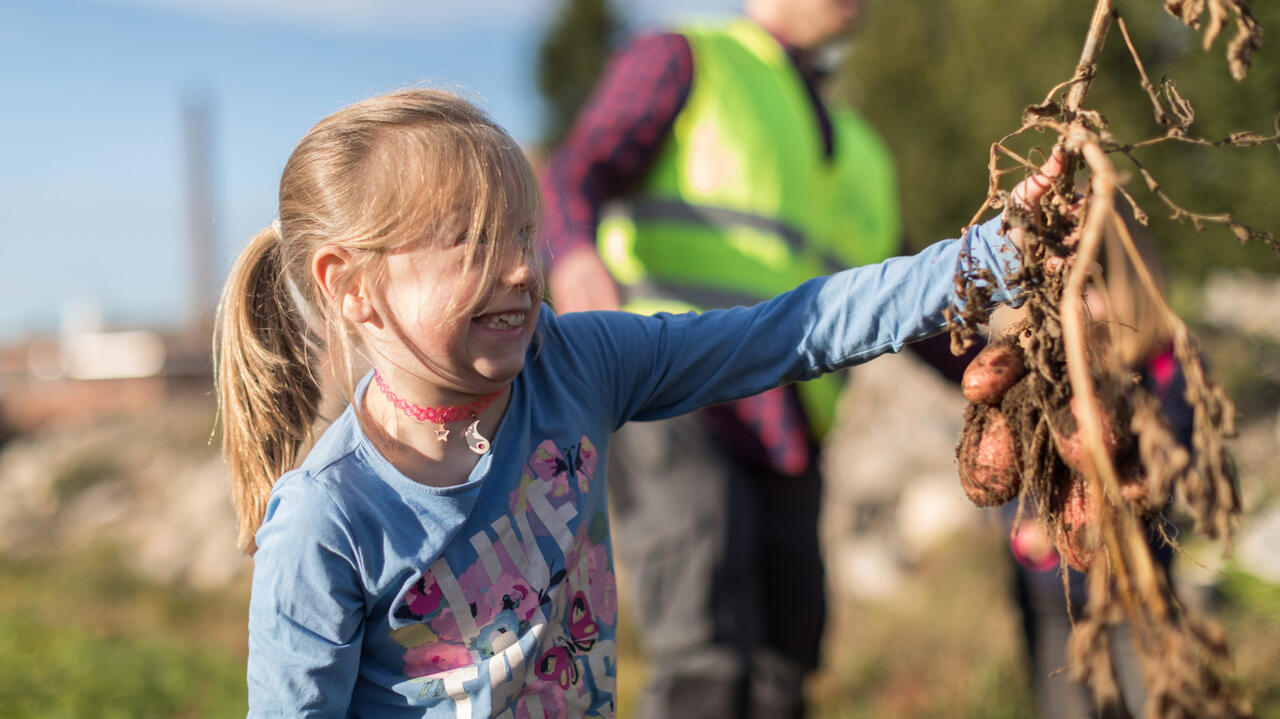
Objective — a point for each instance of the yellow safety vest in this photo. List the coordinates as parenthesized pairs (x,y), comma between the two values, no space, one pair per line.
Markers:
(742,204)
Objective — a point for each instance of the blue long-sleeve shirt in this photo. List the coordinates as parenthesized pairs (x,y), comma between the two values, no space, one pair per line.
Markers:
(374,595)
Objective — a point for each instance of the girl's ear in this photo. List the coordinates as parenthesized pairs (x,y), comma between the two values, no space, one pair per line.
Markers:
(329,266)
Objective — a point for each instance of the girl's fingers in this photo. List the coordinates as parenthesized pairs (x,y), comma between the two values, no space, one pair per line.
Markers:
(1028,192)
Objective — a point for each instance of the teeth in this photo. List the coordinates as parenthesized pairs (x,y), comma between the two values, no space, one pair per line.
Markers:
(503,321)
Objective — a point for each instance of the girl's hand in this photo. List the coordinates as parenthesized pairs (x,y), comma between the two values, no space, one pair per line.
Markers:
(1026,194)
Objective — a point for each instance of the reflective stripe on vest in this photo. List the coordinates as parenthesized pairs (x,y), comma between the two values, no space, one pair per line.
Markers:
(672,210)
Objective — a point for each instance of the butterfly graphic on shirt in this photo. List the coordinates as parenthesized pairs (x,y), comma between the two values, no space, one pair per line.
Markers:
(559,663)
(571,459)
(566,464)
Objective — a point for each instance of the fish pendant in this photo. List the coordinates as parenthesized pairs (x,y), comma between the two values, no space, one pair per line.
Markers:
(476,442)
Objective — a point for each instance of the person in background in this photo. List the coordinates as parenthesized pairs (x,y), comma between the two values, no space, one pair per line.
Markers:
(707,171)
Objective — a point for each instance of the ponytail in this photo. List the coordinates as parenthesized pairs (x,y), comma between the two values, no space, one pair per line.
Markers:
(268,398)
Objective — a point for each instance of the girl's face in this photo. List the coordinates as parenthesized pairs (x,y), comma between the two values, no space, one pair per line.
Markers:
(425,332)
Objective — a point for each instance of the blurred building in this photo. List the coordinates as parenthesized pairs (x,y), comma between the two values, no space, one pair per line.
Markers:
(88,370)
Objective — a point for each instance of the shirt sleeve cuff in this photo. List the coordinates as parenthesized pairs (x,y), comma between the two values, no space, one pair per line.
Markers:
(990,261)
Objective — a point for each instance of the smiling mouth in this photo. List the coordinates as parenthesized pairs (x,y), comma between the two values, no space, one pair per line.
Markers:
(502,320)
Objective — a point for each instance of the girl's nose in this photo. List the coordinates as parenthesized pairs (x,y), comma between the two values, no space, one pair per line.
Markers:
(520,275)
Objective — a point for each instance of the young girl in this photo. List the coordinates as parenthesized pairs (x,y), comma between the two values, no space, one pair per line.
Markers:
(443,548)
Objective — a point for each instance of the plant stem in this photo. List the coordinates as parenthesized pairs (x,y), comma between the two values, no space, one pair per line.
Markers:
(1087,66)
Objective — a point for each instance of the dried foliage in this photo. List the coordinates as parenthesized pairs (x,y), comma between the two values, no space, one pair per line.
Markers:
(1097,461)
(1248,35)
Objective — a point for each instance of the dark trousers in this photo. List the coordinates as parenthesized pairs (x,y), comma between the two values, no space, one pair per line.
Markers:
(1046,626)
(725,573)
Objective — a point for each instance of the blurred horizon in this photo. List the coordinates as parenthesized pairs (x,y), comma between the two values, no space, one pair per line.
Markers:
(95,184)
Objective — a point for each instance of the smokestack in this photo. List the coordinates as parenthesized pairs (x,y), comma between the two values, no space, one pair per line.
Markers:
(197,135)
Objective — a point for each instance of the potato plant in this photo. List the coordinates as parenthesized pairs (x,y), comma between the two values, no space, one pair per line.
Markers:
(1057,419)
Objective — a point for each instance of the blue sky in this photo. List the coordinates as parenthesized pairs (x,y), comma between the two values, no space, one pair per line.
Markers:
(92,176)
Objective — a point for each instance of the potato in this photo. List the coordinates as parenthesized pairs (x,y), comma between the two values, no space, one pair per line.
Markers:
(991,374)
(1075,538)
(989,472)
(1071,447)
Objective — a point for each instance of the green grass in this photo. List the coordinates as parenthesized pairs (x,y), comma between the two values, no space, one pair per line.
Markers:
(82,639)
(1250,612)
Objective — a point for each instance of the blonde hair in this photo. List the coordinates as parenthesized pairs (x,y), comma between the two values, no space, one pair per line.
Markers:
(372,177)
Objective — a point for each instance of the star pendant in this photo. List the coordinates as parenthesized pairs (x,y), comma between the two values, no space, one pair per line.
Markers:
(442,434)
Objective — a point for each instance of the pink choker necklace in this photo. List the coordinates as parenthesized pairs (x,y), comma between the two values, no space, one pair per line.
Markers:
(476,442)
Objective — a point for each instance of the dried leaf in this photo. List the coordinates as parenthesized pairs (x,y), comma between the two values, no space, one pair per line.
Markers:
(1240,50)
(1248,37)
(1183,112)
(1032,112)
(1244,137)
(1241,232)
(1188,11)
(1217,18)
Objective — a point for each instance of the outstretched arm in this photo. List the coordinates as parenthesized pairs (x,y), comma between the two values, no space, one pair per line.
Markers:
(666,365)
